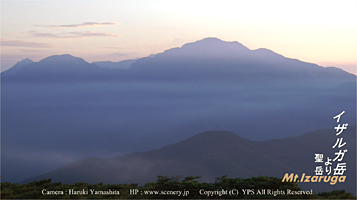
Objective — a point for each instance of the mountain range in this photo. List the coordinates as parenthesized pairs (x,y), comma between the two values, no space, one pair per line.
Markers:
(63,109)
(207,59)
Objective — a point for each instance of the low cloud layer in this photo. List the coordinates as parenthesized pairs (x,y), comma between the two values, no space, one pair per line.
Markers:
(85,24)
(74,34)
(19,43)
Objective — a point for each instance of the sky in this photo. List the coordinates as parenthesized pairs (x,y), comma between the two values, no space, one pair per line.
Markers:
(315,31)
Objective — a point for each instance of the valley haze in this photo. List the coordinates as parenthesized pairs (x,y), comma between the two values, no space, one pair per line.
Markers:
(62,109)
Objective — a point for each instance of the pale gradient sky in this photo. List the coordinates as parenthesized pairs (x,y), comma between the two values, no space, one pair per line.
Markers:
(321,32)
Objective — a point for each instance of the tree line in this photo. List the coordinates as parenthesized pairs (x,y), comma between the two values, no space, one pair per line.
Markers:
(168,188)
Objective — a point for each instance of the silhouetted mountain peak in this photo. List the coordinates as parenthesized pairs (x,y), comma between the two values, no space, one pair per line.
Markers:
(22,63)
(206,41)
(215,42)
(65,64)
(209,143)
(216,46)
(26,61)
(63,59)
(206,48)
(210,39)
(18,66)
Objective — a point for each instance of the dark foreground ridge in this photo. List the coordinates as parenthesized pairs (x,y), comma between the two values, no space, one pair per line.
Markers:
(215,154)
(171,188)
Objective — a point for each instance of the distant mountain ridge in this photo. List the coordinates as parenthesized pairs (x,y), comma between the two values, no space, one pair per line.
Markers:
(215,154)
(204,59)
